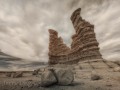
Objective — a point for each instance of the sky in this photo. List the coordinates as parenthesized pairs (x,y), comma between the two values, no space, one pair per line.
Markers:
(24,25)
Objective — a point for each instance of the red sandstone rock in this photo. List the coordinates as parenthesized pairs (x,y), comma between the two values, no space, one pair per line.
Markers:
(56,47)
(84,45)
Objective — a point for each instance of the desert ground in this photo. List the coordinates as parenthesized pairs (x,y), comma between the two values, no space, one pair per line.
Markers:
(108,71)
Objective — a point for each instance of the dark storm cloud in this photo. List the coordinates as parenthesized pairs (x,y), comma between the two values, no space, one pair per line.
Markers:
(24,25)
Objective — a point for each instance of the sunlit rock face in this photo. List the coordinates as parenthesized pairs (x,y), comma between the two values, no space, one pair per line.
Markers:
(84,44)
(58,51)
(56,45)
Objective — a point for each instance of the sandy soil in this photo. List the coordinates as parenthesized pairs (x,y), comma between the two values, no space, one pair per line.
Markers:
(110,80)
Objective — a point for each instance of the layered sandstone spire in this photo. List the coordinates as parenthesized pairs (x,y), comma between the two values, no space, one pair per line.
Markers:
(84,44)
(56,47)
(84,40)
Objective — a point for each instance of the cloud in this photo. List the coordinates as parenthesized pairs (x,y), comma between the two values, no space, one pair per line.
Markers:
(24,25)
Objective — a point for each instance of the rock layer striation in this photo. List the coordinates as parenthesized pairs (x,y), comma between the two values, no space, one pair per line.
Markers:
(84,45)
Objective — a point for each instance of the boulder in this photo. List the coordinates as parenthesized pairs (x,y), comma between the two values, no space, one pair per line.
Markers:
(17,74)
(64,77)
(116,69)
(48,78)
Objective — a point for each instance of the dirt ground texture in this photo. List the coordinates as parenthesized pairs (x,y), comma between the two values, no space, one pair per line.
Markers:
(109,79)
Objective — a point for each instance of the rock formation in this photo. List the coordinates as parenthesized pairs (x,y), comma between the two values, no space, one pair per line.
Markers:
(48,79)
(63,77)
(57,49)
(84,44)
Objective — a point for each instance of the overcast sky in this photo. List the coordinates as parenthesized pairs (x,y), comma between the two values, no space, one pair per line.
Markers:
(24,25)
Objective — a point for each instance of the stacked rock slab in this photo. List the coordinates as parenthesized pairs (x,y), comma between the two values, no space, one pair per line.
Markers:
(58,51)
(84,44)
(84,41)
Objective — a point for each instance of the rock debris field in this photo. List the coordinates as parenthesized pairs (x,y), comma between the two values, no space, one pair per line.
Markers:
(94,75)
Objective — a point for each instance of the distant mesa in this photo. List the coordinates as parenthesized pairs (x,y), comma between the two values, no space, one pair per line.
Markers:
(84,45)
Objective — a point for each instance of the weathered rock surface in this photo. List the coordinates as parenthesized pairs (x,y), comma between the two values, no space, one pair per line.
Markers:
(116,69)
(84,44)
(64,77)
(82,79)
(48,78)
(56,48)
(95,76)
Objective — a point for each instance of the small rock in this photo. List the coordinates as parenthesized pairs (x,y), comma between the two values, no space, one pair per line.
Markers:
(17,74)
(64,77)
(95,76)
(48,78)
(116,69)
(30,80)
(35,72)
(109,85)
